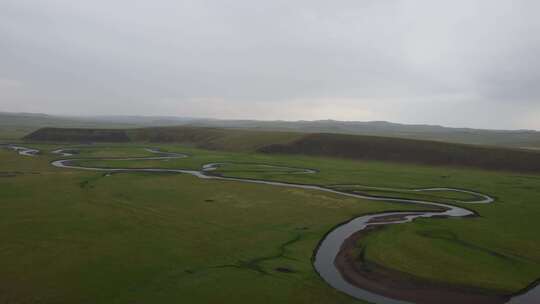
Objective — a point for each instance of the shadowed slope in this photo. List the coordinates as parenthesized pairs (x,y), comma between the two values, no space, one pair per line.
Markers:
(324,144)
(207,138)
(78,135)
(411,151)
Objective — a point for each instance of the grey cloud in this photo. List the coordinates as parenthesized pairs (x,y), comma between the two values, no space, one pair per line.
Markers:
(413,61)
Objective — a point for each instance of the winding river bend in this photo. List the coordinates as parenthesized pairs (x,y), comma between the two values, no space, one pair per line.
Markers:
(329,248)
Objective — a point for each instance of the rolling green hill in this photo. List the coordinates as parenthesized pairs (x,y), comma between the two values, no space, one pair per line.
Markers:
(208,138)
(507,138)
(323,144)
(16,125)
(409,151)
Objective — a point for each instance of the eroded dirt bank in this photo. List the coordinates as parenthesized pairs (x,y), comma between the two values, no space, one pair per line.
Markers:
(397,285)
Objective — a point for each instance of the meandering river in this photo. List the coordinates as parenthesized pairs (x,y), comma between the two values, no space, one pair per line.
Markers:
(329,247)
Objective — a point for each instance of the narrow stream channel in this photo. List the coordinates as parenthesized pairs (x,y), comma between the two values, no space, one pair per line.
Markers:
(329,247)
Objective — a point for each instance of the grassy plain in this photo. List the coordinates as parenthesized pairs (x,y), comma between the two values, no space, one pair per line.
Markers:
(80,237)
(500,246)
(71,236)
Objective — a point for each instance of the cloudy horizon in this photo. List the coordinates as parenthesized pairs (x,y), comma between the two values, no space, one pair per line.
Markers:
(459,63)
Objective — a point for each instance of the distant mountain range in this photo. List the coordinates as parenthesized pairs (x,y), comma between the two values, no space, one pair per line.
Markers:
(16,125)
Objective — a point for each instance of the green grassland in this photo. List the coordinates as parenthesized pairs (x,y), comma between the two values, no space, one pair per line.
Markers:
(72,236)
(82,237)
(506,227)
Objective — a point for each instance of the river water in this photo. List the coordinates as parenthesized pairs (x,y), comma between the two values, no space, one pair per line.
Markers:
(330,246)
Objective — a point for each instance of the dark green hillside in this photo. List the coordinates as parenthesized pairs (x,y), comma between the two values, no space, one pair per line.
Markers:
(411,151)
(330,145)
(78,135)
(208,138)
(506,138)
(213,138)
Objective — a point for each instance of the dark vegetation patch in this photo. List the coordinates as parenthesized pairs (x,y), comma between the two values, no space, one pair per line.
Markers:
(15,173)
(284,270)
(88,183)
(78,135)
(83,184)
(7,174)
(409,151)
(255,264)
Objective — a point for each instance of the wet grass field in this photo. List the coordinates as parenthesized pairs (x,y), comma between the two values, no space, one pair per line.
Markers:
(73,236)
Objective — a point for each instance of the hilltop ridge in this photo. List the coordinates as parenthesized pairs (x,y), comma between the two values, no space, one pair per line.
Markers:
(14,125)
(313,144)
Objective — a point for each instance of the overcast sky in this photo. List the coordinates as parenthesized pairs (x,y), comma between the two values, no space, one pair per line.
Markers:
(469,63)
